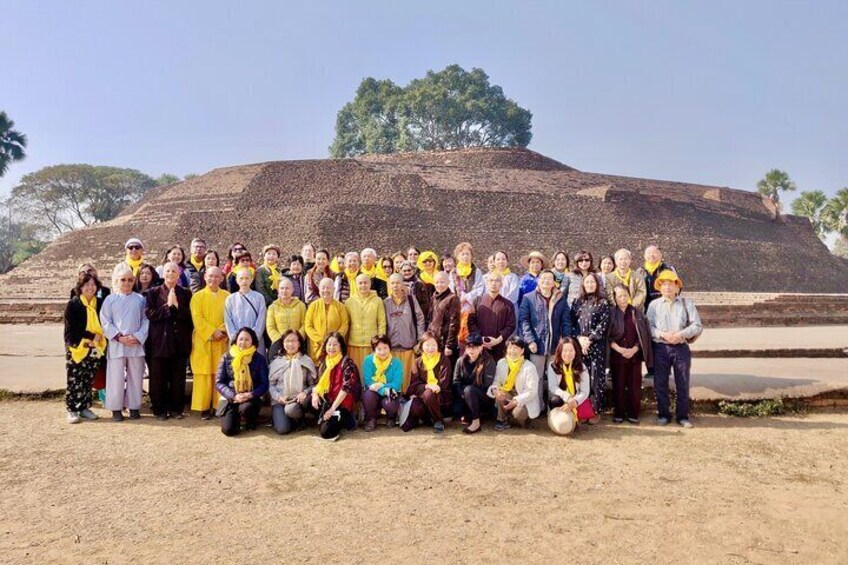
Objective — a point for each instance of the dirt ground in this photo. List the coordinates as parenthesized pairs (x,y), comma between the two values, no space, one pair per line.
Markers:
(728,491)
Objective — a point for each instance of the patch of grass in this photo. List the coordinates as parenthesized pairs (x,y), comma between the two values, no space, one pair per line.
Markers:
(757,409)
(7,395)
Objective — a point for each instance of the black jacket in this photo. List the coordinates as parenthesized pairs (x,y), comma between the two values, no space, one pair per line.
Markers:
(170,326)
(76,319)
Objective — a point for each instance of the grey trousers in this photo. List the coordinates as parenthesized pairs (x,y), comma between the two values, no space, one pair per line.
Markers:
(124,377)
(541,363)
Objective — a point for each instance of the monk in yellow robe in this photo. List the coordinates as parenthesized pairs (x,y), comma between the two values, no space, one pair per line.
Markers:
(323,316)
(209,341)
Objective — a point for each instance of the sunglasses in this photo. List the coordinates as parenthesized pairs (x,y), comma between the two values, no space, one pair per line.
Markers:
(135,247)
(126,280)
(429,261)
(584,260)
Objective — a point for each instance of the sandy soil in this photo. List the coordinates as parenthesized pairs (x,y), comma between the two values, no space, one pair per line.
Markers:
(727,491)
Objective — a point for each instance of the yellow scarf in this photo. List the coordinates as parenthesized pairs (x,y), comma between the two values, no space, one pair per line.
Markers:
(426,278)
(463,270)
(235,270)
(134,265)
(568,374)
(381,273)
(430,363)
(351,281)
(275,275)
(92,324)
(651,267)
(241,367)
(505,272)
(334,266)
(514,367)
(625,280)
(198,265)
(372,272)
(381,367)
(330,363)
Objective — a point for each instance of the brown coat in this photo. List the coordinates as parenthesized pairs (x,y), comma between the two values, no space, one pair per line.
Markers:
(444,374)
(493,317)
(444,320)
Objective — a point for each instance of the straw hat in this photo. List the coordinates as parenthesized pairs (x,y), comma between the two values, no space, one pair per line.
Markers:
(561,421)
(667,275)
(525,261)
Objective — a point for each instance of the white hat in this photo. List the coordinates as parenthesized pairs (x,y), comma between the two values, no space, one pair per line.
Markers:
(133,241)
(561,420)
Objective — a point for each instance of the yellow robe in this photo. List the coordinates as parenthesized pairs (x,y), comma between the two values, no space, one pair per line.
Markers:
(207,313)
(367,319)
(281,318)
(321,320)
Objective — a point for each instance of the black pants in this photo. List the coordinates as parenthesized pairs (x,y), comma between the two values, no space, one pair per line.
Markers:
(231,420)
(475,402)
(333,427)
(167,385)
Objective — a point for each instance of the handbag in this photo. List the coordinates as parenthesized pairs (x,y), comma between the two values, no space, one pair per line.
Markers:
(585,410)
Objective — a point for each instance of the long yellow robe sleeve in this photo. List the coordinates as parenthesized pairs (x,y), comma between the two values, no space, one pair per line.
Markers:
(322,319)
(281,318)
(367,319)
(207,313)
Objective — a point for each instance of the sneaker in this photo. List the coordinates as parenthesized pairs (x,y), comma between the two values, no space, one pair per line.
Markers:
(500,426)
(618,420)
(135,415)
(685,423)
(177,416)
(88,415)
(439,427)
(74,418)
(117,415)
(634,421)
(662,421)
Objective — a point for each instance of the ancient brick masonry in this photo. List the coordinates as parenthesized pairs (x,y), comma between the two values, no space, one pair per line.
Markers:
(722,239)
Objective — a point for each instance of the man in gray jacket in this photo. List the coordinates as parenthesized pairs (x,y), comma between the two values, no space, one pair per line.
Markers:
(404,323)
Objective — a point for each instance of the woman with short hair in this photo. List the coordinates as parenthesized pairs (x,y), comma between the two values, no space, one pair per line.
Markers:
(382,379)
(268,273)
(243,260)
(510,282)
(294,273)
(560,271)
(398,259)
(307,253)
(176,254)
(292,375)
(473,374)
(198,278)
(85,347)
(242,380)
(630,345)
(338,389)
(516,386)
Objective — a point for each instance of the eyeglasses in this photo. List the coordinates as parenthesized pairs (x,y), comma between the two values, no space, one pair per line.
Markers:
(134,247)
(126,280)
(584,260)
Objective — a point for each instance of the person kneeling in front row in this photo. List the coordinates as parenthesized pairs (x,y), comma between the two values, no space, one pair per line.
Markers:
(242,380)
(516,386)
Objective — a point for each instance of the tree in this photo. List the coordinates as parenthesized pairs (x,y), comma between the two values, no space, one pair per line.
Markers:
(448,109)
(835,218)
(18,240)
(64,197)
(190,176)
(773,183)
(167,178)
(810,206)
(12,143)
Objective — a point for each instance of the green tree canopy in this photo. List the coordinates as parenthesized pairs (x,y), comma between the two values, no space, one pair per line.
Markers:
(12,143)
(810,206)
(18,240)
(775,182)
(167,178)
(448,109)
(63,197)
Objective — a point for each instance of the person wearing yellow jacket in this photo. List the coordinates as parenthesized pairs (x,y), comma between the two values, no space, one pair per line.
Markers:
(209,341)
(285,313)
(367,318)
(323,317)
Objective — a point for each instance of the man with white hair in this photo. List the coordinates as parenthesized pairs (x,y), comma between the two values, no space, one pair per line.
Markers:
(654,265)
(624,275)
(125,326)
(169,311)
(367,318)
(370,268)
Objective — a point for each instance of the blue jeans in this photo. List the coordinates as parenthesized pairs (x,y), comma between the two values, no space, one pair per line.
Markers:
(667,358)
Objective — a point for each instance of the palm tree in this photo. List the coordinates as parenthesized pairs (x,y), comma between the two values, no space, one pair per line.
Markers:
(774,182)
(810,206)
(835,217)
(12,143)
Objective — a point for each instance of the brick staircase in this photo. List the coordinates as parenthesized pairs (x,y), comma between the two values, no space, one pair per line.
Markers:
(722,310)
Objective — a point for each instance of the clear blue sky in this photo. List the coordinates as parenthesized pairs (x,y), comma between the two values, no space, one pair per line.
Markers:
(715,92)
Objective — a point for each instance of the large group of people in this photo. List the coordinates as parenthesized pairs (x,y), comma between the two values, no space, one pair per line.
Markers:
(354,339)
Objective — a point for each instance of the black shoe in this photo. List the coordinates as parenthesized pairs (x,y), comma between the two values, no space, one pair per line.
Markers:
(135,415)
(117,415)
(618,420)
(206,415)
(161,417)
(177,416)
(634,421)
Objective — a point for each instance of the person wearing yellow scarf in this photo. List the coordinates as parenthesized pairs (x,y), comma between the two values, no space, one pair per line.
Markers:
(196,263)
(330,362)
(464,269)
(335,267)
(382,375)
(428,264)
(134,263)
(516,386)
(268,274)
(85,345)
(370,271)
(568,380)
(425,389)
(514,366)
(243,385)
(92,325)
(651,266)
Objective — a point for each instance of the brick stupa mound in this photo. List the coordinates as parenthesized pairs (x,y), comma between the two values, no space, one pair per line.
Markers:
(517,200)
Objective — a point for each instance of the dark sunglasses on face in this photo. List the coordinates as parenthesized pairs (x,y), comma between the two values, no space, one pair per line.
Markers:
(584,259)
(134,247)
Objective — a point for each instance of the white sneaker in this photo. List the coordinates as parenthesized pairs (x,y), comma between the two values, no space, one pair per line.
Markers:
(88,415)
(74,418)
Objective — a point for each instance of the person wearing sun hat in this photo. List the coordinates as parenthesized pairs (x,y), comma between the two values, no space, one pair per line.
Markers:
(534,263)
(135,254)
(674,323)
